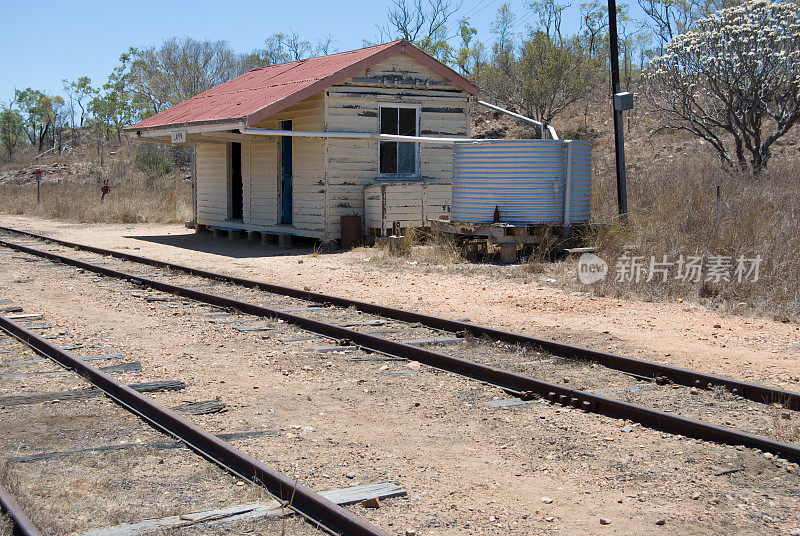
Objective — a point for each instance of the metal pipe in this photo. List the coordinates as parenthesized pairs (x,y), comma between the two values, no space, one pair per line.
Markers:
(23,526)
(221,127)
(306,502)
(352,135)
(640,367)
(541,125)
(423,139)
(518,384)
(568,186)
(303,133)
(245,130)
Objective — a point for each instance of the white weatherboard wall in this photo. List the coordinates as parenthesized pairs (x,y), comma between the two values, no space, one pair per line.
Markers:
(258,185)
(308,164)
(353,106)
(212,183)
(406,204)
(263,191)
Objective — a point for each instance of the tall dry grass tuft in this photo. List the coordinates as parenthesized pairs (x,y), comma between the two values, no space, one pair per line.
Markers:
(134,200)
(418,246)
(674,210)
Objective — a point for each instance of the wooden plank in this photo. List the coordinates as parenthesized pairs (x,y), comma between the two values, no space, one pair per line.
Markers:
(331,348)
(433,340)
(26,316)
(402,95)
(133,366)
(341,496)
(296,340)
(98,357)
(509,403)
(159,445)
(83,394)
(253,328)
(355,323)
(204,407)
(356,494)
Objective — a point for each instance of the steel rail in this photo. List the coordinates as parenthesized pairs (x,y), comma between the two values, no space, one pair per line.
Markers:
(518,384)
(23,526)
(639,367)
(323,513)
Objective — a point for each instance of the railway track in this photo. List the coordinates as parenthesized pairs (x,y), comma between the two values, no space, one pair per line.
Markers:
(657,371)
(516,365)
(321,512)
(22,524)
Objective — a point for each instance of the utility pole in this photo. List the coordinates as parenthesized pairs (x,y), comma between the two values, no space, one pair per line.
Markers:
(622,101)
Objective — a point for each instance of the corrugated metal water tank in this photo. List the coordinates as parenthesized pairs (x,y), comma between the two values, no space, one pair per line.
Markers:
(525,179)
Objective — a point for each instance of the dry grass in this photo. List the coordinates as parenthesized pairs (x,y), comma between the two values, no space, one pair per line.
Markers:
(108,490)
(416,247)
(440,254)
(167,201)
(148,184)
(786,430)
(673,211)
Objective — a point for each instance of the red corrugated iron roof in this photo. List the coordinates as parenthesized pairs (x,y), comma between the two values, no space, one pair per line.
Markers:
(264,91)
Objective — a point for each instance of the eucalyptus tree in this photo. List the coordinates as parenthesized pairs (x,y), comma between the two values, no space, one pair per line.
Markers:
(39,114)
(179,69)
(11,124)
(78,92)
(553,73)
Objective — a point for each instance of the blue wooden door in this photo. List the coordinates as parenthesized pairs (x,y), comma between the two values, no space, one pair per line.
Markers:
(286,175)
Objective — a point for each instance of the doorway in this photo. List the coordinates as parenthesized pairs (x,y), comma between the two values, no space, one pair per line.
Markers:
(285,210)
(235,190)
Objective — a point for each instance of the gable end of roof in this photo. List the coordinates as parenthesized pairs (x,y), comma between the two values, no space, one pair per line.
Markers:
(241,98)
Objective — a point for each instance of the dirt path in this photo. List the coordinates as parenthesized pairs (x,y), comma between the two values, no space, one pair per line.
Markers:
(682,334)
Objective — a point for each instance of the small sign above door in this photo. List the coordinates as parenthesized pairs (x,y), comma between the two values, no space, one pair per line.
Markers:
(179,136)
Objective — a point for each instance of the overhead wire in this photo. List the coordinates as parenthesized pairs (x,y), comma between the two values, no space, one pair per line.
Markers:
(472,12)
(521,21)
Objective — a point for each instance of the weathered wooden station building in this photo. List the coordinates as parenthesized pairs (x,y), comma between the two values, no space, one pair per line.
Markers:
(288,149)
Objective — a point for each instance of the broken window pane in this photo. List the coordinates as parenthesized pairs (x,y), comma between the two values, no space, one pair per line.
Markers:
(405,158)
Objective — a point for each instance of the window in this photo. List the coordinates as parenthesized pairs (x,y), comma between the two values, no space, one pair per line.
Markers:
(398,158)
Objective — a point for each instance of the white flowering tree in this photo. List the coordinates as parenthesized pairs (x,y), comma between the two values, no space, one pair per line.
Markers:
(733,80)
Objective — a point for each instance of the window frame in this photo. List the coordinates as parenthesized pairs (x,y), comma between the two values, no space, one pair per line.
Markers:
(399,176)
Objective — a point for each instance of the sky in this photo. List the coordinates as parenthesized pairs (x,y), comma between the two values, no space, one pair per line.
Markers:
(44,42)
